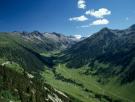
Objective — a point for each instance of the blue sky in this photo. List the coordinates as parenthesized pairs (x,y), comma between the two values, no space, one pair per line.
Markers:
(71,17)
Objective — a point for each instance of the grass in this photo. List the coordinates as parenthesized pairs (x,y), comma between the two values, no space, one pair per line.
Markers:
(69,88)
(90,87)
(16,67)
(50,53)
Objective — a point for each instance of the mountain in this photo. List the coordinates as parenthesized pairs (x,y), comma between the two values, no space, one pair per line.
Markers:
(42,42)
(25,48)
(39,67)
(20,68)
(15,50)
(114,47)
(21,63)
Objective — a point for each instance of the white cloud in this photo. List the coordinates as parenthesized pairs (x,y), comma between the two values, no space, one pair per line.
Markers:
(78,36)
(80,18)
(100,22)
(99,13)
(81,4)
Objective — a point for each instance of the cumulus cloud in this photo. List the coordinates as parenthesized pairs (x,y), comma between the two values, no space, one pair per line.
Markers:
(80,18)
(81,4)
(100,22)
(78,36)
(99,13)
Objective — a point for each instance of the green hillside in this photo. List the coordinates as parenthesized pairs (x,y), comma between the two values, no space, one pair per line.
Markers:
(13,49)
(17,86)
(20,80)
(87,88)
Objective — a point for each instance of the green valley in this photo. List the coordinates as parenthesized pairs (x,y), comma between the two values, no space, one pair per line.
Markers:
(86,87)
(50,67)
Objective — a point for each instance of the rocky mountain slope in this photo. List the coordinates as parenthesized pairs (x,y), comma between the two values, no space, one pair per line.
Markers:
(42,42)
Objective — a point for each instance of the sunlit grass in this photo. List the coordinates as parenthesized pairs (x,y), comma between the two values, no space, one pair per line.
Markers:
(89,82)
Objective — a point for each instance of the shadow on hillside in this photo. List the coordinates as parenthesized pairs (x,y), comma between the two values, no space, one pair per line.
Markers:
(48,61)
(26,57)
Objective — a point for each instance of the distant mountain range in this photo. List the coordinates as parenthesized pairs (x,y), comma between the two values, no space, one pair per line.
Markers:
(47,41)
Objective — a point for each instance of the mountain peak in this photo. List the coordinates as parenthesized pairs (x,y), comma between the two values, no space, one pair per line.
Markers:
(37,33)
(132,27)
(57,34)
(105,30)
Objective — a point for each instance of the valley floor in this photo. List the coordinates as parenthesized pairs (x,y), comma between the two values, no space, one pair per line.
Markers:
(85,87)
